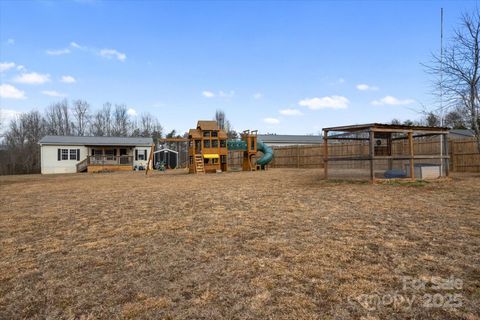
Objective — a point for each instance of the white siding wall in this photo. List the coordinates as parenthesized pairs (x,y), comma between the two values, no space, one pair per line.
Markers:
(139,162)
(50,163)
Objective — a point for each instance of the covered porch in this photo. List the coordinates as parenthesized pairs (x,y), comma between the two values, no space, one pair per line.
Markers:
(108,158)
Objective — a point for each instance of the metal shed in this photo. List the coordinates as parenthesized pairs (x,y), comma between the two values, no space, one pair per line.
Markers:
(168,156)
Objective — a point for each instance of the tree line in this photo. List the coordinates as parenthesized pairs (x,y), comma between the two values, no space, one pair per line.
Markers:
(20,152)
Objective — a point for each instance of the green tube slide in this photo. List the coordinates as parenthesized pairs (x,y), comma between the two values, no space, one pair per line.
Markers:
(267,153)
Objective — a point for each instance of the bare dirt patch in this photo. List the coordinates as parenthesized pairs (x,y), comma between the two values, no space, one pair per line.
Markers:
(281,244)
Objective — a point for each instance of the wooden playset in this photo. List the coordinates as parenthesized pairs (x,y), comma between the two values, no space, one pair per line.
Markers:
(208,149)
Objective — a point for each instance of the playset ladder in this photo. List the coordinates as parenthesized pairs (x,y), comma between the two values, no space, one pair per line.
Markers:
(199,167)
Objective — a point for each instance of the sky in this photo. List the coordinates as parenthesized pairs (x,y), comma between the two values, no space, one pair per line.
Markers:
(285,67)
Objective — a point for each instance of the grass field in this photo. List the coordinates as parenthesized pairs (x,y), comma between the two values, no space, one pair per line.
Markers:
(281,244)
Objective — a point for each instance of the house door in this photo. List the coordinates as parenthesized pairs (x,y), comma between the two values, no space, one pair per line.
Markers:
(123,156)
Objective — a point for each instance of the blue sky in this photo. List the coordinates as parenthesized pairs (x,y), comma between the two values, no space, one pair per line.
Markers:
(284,67)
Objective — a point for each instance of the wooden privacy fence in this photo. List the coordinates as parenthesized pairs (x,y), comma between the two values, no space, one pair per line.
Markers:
(464,156)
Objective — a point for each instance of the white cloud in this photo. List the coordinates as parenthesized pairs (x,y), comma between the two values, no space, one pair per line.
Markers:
(392,101)
(208,94)
(58,52)
(11,41)
(257,96)
(366,87)
(21,68)
(77,46)
(33,78)
(291,112)
(68,79)
(271,120)
(53,93)
(4,66)
(112,53)
(10,92)
(132,112)
(221,94)
(332,102)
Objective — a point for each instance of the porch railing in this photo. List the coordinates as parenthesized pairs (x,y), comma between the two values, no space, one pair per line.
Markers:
(110,160)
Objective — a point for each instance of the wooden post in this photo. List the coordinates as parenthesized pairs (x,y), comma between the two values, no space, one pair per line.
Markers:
(446,162)
(371,153)
(410,148)
(325,154)
(389,151)
(150,158)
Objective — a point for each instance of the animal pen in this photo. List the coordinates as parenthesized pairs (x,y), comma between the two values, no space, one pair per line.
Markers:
(377,151)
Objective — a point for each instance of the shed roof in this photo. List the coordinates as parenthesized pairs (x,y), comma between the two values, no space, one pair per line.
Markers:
(392,127)
(207,125)
(96,141)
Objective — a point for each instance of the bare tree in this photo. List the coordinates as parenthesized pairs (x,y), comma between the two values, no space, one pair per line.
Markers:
(458,70)
(224,124)
(101,124)
(455,120)
(81,113)
(220,118)
(22,139)
(121,121)
(58,119)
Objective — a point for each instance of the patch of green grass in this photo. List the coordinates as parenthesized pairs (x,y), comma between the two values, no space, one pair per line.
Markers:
(407,183)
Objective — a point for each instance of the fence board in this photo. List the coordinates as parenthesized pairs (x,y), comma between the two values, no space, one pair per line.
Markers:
(464,155)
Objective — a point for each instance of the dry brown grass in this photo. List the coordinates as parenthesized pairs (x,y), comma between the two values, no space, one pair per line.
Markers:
(280,244)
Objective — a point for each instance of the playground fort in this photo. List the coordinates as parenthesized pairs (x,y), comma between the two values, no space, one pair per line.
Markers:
(208,149)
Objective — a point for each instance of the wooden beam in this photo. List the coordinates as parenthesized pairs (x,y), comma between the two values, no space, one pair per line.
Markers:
(325,154)
(150,158)
(371,154)
(410,143)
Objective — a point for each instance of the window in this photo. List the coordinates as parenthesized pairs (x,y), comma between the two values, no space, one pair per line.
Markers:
(223,143)
(206,134)
(109,154)
(214,160)
(64,154)
(214,143)
(223,159)
(73,154)
(214,134)
(206,143)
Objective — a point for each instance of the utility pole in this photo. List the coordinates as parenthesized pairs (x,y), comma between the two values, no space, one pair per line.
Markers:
(441,91)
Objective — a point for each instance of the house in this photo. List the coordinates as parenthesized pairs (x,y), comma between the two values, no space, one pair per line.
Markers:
(68,154)
(207,148)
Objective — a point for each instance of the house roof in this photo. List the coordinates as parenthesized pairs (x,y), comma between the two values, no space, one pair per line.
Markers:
(290,139)
(165,149)
(194,133)
(207,125)
(461,133)
(95,141)
(392,127)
